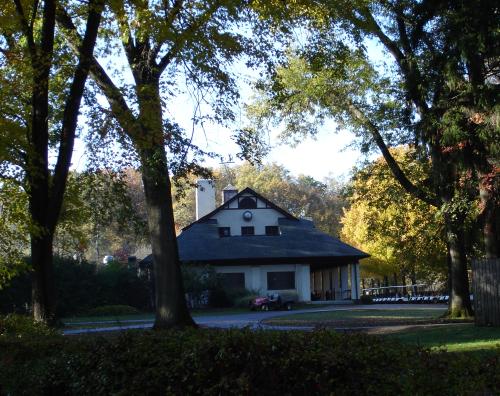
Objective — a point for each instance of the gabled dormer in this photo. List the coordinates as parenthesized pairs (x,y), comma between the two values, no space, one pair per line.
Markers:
(245,214)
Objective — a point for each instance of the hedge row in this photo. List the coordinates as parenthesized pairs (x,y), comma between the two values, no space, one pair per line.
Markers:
(80,287)
(236,362)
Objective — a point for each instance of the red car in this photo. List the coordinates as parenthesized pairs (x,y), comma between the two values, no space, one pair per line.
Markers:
(272,301)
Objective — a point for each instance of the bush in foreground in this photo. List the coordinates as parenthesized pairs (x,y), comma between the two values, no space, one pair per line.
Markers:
(227,362)
(22,326)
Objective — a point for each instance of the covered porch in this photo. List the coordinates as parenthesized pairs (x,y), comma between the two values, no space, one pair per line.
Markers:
(335,282)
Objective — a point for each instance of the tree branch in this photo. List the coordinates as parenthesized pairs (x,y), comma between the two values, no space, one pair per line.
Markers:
(125,32)
(25,26)
(425,11)
(407,66)
(391,162)
(115,98)
(33,14)
(181,37)
(70,116)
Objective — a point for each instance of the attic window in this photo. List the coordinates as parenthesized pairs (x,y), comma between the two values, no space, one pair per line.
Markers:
(247,203)
(272,230)
(224,232)
(247,231)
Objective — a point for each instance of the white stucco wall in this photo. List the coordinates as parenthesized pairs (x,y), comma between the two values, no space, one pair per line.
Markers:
(261,218)
(256,277)
(205,197)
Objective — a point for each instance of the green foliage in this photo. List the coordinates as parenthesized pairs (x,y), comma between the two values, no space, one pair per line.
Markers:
(14,230)
(214,362)
(223,297)
(196,279)
(101,214)
(400,72)
(244,301)
(81,286)
(110,310)
(23,327)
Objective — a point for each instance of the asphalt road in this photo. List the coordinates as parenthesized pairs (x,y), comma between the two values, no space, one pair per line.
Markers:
(252,319)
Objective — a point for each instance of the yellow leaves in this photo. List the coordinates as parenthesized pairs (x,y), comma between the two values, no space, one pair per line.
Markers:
(398,230)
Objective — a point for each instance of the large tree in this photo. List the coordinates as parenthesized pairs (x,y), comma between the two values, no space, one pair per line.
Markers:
(423,95)
(403,234)
(42,86)
(101,215)
(163,42)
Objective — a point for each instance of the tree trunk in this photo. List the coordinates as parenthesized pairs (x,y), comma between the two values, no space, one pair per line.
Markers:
(490,217)
(459,306)
(413,278)
(171,308)
(43,278)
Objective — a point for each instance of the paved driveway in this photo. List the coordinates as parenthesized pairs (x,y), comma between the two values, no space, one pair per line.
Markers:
(253,319)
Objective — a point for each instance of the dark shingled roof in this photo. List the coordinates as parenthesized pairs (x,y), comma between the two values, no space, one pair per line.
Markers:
(299,242)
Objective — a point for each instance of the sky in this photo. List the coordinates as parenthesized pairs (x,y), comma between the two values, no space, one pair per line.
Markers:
(325,156)
(328,155)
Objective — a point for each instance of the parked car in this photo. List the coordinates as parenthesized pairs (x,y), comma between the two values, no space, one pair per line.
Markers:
(272,301)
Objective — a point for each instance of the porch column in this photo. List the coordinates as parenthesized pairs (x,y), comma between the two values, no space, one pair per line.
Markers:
(344,280)
(303,282)
(336,284)
(255,279)
(318,281)
(355,287)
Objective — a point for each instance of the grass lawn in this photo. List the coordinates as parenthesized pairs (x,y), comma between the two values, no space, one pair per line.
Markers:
(74,321)
(360,316)
(453,337)
(148,317)
(418,327)
(116,320)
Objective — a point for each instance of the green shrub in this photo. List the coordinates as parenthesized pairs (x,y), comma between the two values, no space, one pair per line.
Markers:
(218,298)
(234,362)
(22,326)
(365,299)
(244,301)
(222,297)
(108,310)
(80,286)
(198,279)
